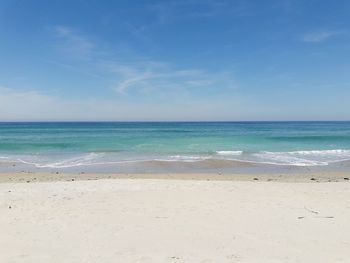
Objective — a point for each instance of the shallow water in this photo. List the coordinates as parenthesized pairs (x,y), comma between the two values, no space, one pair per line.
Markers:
(121,146)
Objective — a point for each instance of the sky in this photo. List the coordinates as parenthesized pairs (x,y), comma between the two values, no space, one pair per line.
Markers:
(175,60)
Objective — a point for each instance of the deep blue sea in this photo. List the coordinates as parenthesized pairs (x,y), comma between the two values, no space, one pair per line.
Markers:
(121,146)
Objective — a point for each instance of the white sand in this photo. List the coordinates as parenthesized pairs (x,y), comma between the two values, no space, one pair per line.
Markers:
(146,220)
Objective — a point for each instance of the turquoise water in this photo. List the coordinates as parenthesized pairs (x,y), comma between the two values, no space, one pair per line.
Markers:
(64,145)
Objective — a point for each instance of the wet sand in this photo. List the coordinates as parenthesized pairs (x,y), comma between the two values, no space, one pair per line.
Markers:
(31,177)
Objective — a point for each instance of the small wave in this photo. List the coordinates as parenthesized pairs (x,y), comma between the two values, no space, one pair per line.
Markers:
(235,153)
(87,159)
(183,158)
(323,153)
(304,158)
(292,158)
(283,159)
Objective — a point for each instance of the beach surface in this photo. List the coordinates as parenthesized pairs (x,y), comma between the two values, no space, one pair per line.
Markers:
(145,219)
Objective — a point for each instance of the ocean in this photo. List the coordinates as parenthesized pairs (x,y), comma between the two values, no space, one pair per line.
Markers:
(173,146)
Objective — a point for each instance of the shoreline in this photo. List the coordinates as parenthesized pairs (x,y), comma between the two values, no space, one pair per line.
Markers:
(312,177)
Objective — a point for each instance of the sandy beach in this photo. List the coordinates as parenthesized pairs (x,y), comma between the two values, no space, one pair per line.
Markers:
(179,131)
(181,220)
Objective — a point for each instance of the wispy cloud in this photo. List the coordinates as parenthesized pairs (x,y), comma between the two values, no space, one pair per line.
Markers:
(150,76)
(132,72)
(72,42)
(321,36)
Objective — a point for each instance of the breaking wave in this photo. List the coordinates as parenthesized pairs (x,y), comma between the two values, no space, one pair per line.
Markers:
(292,158)
(304,158)
(232,153)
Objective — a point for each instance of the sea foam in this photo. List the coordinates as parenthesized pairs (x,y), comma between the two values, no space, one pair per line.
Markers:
(235,153)
(304,158)
(184,158)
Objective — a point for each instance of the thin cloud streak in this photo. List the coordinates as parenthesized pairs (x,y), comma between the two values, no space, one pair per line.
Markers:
(149,77)
(73,43)
(137,73)
(320,36)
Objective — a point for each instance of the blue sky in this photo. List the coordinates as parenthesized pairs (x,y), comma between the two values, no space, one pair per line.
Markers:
(174,60)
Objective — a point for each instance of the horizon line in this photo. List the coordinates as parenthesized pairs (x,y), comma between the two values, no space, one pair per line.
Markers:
(164,121)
